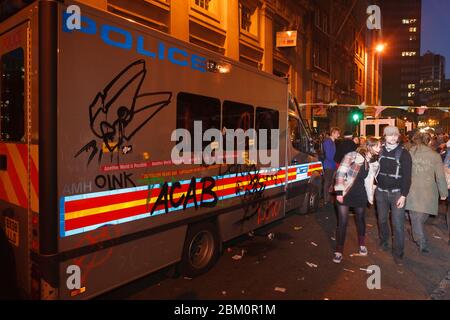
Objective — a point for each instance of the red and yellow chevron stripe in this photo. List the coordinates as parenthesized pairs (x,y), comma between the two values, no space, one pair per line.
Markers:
(21,179)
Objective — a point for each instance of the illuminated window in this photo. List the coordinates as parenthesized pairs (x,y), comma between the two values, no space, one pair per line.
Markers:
(411,94)
(409,54)
(411,86)
(413,29)
(409,21)
(203,3)
(412,37)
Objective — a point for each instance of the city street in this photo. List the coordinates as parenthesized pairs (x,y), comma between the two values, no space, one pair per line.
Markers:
(278,268)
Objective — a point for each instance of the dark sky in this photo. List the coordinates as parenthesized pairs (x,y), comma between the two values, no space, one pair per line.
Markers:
(436,28)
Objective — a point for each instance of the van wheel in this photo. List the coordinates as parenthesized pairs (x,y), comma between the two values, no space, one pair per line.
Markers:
(201,249)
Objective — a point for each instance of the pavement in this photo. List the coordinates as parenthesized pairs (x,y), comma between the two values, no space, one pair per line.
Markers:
(297,264)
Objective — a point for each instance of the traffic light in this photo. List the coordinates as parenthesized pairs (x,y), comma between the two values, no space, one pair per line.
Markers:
(356,116)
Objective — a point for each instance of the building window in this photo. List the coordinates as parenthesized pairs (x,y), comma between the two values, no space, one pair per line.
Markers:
(321,20)
(409,54)
(413,29)
(409,21)
(321,56)
(411,94)
(203,3)
(246,18)
(411,86)
(412,37)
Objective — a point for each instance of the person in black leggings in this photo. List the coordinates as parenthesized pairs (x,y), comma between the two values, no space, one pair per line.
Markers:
(351,181)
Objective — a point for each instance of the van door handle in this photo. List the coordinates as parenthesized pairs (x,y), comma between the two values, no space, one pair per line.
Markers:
(3,162)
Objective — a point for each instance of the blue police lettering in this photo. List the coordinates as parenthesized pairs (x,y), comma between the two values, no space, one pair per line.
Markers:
(106,37)
(109,35)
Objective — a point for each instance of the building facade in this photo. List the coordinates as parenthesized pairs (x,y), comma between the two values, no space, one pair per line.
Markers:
(401,61)
(329,63)
(432,76)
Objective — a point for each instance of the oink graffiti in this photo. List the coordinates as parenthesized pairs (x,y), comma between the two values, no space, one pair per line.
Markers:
(113,181)
(119,111)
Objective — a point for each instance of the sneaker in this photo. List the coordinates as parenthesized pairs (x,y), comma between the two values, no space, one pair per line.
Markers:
(363,251)
(337,257)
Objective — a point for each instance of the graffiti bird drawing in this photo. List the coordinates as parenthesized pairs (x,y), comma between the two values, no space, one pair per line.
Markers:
(120,110)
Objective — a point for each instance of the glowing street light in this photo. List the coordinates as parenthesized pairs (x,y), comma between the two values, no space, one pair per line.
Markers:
(380,47)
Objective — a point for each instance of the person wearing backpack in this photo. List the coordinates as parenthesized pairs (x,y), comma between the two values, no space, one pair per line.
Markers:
(394,182)
(428,183)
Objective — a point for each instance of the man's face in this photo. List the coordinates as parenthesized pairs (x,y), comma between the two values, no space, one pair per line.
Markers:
(391,139)
(335,135)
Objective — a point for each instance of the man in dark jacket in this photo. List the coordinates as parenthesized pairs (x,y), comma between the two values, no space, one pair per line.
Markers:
(344,146)
(394,181)
(329,166)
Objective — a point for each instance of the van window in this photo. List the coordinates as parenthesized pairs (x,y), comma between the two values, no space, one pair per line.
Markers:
(382,126)
(370,130)
(192,107)
(237,116)
(12,97)
(267,119)
(298,136)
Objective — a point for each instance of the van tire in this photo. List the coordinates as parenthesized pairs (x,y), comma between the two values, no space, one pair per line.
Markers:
(201,249)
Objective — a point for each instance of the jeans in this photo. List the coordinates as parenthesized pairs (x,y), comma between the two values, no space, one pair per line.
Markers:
(342,226)
(417,221)
(328,176)
(387,201)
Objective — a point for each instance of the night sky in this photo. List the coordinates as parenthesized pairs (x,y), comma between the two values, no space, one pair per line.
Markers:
(436,29)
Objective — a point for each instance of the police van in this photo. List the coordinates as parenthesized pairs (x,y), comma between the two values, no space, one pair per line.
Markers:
(90,197)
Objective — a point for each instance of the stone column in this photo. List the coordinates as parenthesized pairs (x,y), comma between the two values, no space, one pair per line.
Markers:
(233,29)
(179,19)
(267,38)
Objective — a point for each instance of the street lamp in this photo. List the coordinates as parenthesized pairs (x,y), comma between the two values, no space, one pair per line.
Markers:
(380,47)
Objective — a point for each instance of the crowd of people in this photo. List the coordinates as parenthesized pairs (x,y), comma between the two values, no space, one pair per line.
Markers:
(402,175)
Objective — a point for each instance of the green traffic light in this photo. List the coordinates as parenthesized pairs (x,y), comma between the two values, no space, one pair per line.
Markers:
(356,117)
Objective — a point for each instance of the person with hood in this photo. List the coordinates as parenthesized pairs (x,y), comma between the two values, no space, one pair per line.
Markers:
(428,182)
(355,187)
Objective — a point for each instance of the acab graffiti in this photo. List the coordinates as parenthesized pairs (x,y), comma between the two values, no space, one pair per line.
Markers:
(171,195)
